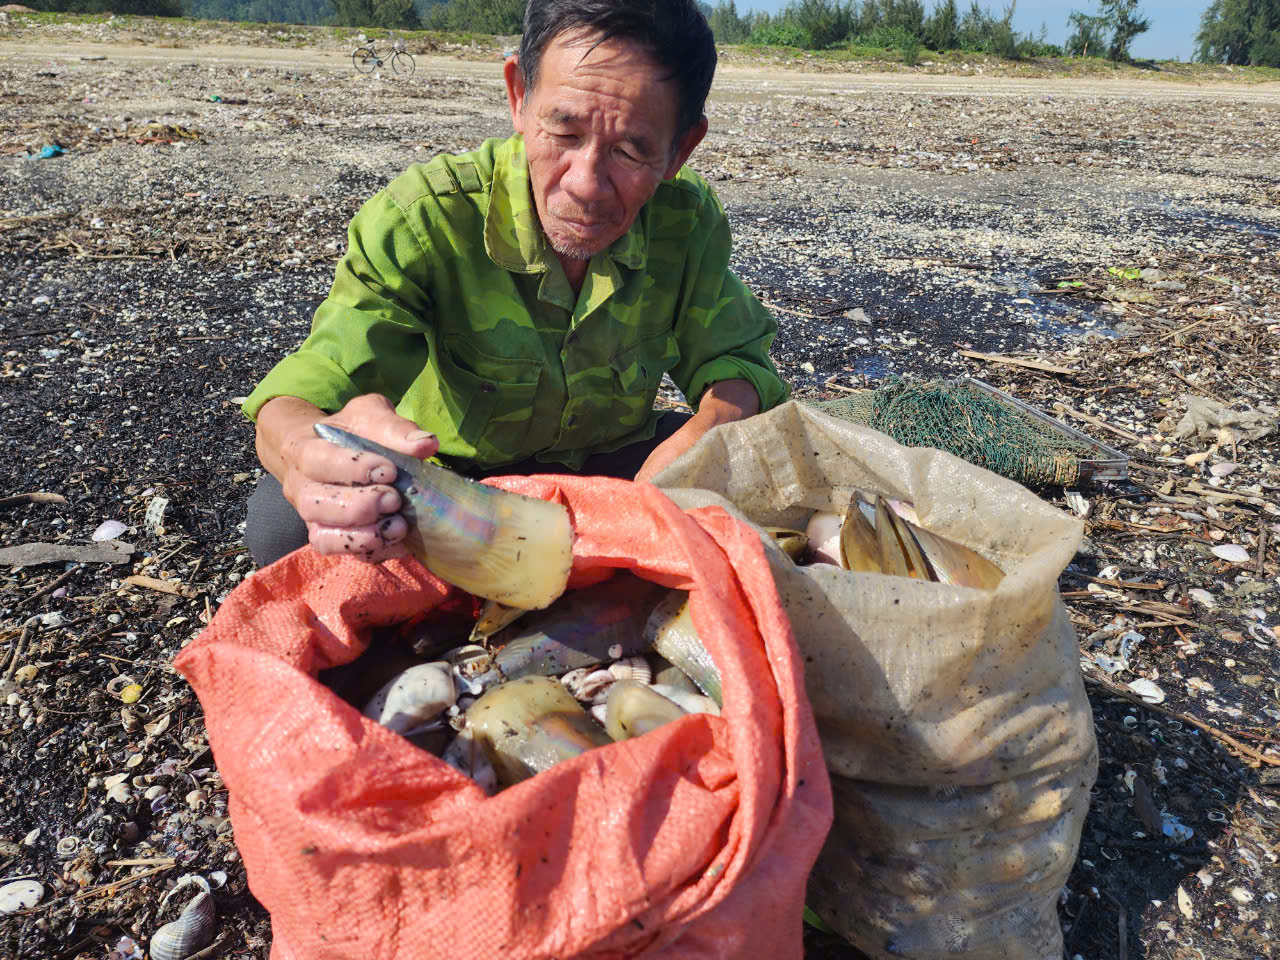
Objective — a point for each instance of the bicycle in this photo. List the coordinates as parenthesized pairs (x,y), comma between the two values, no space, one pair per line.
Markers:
(366,59)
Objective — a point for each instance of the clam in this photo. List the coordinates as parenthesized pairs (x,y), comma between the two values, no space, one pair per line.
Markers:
(493,617)
(528,725)
(955,563)
(633,709)
(670,631)
(497,545)
(900,554)
(859,548)
(793,542)
(467,755)
(823,533)
(192,931)
(688,700)
(414,700)
(587,627)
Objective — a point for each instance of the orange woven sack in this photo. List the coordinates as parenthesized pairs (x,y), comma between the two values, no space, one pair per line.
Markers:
(693,841)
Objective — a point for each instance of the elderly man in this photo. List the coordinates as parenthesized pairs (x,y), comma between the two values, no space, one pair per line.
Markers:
(513,309)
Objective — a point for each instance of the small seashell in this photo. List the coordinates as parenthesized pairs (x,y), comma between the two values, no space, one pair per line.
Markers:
(20,895)
(120,793)
(1147,690)
(197,799)
(588,684)
(632,668)
(156,791)
(109,530)
(126,949)
(68,847)
(192,931)
(1224,469)
(114,780)
(128,831)
(1241,895)
(1231,552)
(116,685)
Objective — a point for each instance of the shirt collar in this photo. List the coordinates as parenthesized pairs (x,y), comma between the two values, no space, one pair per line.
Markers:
(513,237)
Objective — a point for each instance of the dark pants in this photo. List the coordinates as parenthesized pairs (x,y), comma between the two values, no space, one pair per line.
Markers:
(273,528)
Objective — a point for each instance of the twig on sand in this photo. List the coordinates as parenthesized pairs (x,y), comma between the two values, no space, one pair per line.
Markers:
(1214,732)
(36,496)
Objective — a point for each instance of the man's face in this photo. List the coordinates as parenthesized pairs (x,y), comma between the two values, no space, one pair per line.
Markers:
(599,130)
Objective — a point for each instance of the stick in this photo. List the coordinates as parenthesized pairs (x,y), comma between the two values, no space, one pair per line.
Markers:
(38,496)
(1063,408)
(1015,362)
(158,585)
(48,588)
(1126,694)
(18,646)
(1262,549)
(116,885)
(1189,326)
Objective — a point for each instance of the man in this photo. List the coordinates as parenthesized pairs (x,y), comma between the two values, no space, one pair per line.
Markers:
(513,309)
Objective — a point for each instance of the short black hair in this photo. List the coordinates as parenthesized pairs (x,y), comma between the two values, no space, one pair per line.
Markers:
(672,33)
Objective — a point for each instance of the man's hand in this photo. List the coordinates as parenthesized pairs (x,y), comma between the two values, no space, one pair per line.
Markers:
(724,401)
(343,496)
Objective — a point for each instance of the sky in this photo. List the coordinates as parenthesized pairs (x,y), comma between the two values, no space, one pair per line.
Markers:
(1172,34)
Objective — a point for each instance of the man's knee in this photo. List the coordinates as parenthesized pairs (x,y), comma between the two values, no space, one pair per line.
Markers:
(272,527)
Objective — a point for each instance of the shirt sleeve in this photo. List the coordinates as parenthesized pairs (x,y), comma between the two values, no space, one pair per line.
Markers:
(722,330)
(367,335)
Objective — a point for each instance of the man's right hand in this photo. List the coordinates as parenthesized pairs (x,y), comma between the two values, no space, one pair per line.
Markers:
(345,497)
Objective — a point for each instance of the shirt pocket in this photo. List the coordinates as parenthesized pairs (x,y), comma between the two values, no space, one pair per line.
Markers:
(637,372)
(495,398)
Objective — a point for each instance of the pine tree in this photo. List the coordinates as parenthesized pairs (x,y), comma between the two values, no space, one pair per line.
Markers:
(1240,32)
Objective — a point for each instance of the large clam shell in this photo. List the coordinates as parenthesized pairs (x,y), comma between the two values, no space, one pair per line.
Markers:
(529,725)
(670,631)
(192,931)
(497,545)
(414,699)
(633,709)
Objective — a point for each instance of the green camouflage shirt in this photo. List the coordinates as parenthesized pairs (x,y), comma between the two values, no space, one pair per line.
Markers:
(450,303)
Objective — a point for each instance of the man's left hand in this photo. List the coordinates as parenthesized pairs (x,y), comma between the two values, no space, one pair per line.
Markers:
(722,402)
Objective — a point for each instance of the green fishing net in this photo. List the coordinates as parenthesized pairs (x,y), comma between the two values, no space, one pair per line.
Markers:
(971,424)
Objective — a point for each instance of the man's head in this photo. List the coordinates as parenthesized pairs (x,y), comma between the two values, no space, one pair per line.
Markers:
(609,95)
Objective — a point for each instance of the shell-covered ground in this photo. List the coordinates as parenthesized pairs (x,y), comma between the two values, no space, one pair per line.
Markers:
(1120,238)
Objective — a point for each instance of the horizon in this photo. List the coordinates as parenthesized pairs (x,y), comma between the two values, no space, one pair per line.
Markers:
(1171,37)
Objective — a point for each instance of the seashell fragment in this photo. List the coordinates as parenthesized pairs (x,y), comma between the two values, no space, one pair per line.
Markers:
(671,632)
(413,700)
(899,552)
(1147,690)
(529,725)
(632,668)
(20,895)
(1231,552)
(192,931)
(634,709)
(497,545)
(589,684)
(108,530)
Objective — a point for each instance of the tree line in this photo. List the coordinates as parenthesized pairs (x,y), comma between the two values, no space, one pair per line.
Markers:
(1238,32)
